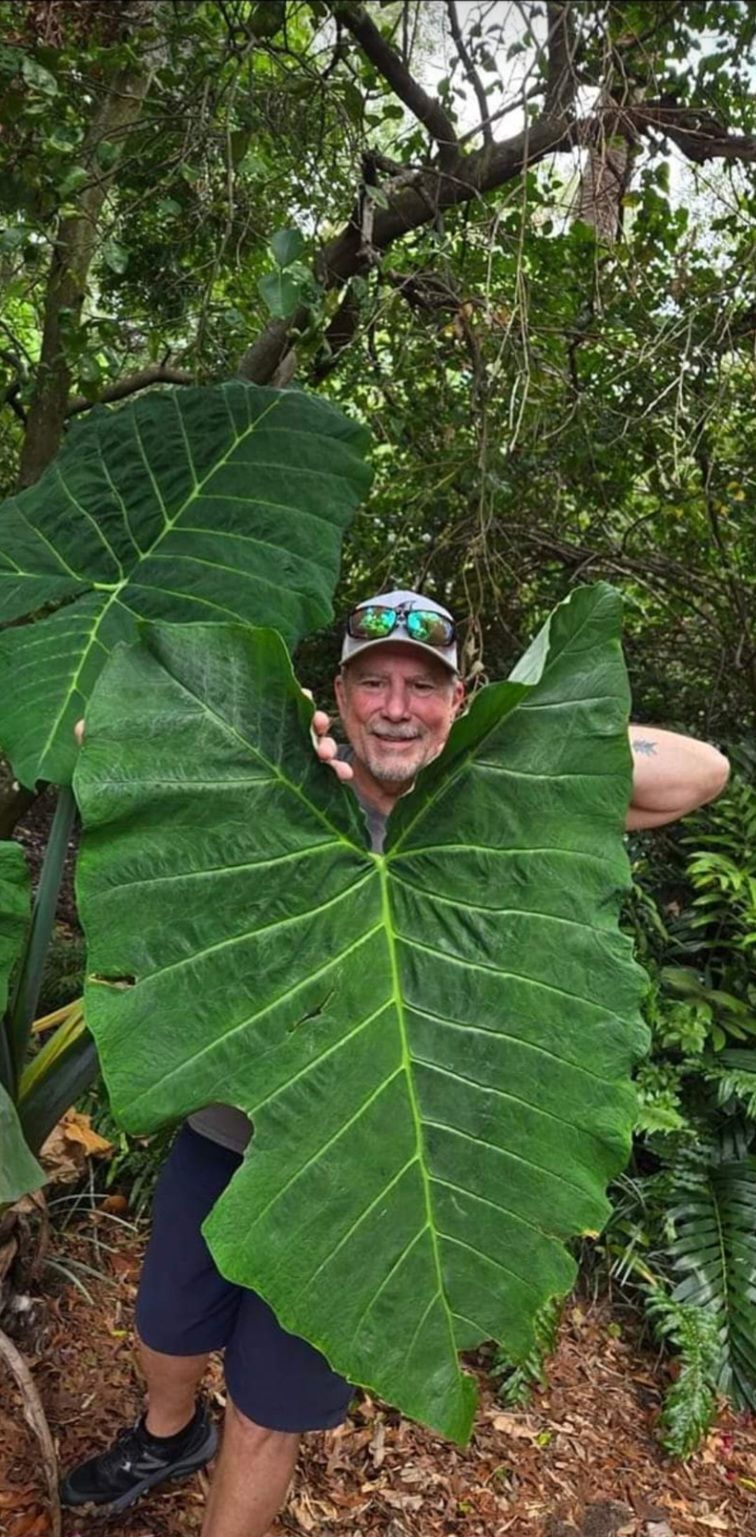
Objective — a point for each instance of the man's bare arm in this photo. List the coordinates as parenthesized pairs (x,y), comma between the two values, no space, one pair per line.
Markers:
(672,775)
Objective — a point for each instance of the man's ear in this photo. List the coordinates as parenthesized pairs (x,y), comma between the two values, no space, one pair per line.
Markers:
(338,689)
(459,696)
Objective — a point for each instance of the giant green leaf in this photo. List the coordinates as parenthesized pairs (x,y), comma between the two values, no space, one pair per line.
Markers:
(19,1170)
(434,1043)
(199,504)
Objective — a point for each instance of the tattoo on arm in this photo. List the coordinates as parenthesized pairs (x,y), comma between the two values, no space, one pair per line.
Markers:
(643,746)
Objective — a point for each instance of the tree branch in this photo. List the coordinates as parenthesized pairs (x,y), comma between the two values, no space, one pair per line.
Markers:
(427,109)
(470,71)
(561,82)
(157,374)
(412,203)
(694,130)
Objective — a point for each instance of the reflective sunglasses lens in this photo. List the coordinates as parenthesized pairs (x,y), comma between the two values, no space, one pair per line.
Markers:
(432,629)
(371,623)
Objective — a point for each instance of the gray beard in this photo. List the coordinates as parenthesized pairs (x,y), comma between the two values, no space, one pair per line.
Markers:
(399,773)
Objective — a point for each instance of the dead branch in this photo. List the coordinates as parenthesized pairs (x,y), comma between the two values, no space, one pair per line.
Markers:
(35,1418)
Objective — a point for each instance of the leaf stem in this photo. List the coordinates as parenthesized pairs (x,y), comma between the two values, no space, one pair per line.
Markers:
(40,930)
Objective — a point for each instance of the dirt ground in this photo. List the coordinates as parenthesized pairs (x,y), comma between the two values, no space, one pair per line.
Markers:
(581,1462)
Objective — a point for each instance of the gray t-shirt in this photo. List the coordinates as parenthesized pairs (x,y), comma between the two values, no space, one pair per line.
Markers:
(224,1123)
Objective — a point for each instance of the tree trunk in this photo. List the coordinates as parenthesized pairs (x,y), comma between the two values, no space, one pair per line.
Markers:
(73,253)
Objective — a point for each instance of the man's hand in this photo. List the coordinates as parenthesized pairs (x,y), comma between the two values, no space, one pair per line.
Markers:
(325,746)
(79,732)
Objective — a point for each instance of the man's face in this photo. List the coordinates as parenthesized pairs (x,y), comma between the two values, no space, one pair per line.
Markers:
(397,706)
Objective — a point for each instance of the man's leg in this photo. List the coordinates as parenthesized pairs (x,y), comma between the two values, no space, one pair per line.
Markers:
(172,1383)
(252,1476)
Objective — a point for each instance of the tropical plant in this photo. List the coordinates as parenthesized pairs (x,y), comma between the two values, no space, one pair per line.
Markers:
(215,503)
(221,501)
(711,1246)
(691,1402)
(429,1118)
(19,1170)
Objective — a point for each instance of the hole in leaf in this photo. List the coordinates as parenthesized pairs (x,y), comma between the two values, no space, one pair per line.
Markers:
(311,1013)
(118,981)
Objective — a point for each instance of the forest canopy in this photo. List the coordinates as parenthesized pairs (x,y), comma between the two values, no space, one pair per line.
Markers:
(515,240)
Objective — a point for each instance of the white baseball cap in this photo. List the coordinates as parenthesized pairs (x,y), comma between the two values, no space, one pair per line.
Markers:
(406,603)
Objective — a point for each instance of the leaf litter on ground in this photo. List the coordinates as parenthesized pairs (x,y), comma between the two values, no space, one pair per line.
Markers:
(580,1461)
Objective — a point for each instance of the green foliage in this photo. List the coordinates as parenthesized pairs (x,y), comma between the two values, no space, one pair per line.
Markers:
(230,483)
(148,511)
(63,976)
(394,1080)
(19,1170)
(711,1245)
(520,1382)
(690,1403)
(683,1223)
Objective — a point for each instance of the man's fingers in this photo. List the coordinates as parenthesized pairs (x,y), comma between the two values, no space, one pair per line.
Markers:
(79,731)
(326,748)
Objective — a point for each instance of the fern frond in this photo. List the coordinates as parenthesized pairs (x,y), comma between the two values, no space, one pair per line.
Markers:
(521,1381)
(734,1073)
(711,1226)
(691,1402)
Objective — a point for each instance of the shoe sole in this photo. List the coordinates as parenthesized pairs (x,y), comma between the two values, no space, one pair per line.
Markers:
(167,1476)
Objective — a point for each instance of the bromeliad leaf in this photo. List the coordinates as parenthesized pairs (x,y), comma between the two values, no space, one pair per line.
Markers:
(199,504)
(434,1043)
(19,1170)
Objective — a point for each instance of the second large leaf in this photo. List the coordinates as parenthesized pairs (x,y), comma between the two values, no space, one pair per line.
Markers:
(218,503)
(434,1043)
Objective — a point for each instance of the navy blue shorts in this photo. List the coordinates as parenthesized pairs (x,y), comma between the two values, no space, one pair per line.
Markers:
(185,1306)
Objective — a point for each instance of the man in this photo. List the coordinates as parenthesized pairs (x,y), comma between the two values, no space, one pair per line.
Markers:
(398,692)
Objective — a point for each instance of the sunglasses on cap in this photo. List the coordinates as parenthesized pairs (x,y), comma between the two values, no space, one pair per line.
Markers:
(375,622)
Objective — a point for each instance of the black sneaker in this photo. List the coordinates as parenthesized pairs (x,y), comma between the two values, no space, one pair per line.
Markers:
(137,1462)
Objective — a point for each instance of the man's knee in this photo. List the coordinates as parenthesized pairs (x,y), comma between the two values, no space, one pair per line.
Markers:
(242,1428)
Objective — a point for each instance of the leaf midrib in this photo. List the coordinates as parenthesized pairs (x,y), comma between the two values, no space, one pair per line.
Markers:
(406,1065)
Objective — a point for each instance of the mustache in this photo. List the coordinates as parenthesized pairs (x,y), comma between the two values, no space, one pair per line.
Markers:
(400,734)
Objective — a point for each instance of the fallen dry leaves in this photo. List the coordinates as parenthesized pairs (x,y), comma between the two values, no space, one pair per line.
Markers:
(581,1461)
(65,1152)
